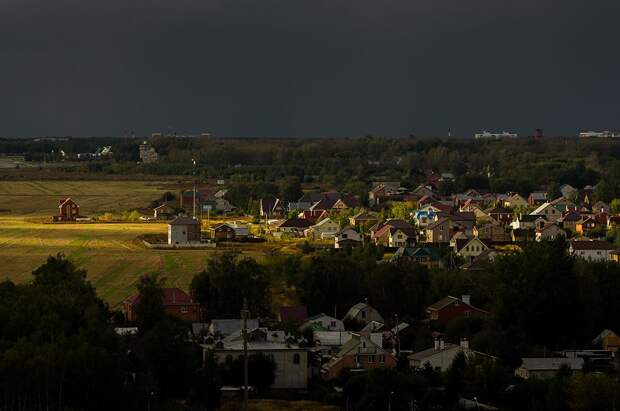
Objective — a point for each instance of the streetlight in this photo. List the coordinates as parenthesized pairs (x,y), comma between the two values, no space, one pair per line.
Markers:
(390,400)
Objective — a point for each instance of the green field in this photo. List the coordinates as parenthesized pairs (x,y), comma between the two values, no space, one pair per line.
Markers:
(110,252)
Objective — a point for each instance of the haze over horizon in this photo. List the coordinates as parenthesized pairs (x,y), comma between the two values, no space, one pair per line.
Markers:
(279,68)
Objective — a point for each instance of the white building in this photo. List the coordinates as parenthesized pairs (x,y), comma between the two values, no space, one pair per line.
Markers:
(599,134)
(323,322)
(290,359)
(183,230)
(440,356)
(494,136)
(544,368)
(593,250)
(347,237)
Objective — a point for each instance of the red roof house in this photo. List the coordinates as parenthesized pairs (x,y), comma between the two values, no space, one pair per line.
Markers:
(176,302)
(450,308)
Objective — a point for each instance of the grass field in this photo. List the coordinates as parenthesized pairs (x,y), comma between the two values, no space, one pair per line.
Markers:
(109,252)
(94,197)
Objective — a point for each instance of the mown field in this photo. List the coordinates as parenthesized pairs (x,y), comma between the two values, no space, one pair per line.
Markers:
(110,252)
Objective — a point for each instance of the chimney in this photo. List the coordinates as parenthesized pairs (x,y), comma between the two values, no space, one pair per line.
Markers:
(436,344)
(466,298)
(464,343)
(442,344)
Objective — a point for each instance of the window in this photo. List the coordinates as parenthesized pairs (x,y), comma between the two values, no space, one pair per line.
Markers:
(332,324)
(296,359)
(364,314)
(382,358)
(371,359)
(184,309)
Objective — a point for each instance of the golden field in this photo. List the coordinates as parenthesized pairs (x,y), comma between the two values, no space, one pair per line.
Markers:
(110,252)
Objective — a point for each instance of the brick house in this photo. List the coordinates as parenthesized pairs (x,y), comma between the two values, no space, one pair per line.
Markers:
(176,302)
(68,210)
(359,353)
(449,308)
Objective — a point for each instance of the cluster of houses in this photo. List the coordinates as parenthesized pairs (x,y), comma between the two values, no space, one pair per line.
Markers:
(475,225)
(326,346)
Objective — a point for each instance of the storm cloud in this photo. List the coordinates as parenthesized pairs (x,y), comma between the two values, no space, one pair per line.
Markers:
(308,68)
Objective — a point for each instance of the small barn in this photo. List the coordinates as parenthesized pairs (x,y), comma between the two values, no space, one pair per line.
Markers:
(68,210)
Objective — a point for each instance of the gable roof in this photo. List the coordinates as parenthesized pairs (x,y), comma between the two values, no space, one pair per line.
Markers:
(592,245)
(438,222)
(449,300)
(184,221)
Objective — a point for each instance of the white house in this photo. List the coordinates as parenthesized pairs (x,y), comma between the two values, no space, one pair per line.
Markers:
(471,248)
(183,230)
(441,355)
(593,250)
(347,237)
(324,229)
(323,322)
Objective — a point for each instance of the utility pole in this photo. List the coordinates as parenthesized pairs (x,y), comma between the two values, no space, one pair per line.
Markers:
(244,315)
(194,174)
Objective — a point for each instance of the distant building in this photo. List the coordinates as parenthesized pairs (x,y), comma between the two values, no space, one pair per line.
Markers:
(68,210)
(363,313)
(545,368)
(183,230)
(450,308)
(148,153)
(599,134)
(485,135)
(176,302)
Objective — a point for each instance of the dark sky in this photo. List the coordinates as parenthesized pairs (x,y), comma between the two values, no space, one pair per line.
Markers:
(308,67)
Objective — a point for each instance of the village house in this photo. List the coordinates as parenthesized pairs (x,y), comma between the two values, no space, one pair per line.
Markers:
(323,322)
(359,353)
(329,343)
(515,200)
(291,360)
(501,215)
(176,302)
(601,207)
(549,211)
(593,250)
(363,313)
(441,356)
(348,238)
(465,220)
(183,230)
(588,225)
(427,256)
(425,217)
(613,221)
(324,229)
(395,233)
(363,219)
(163,212)
(549,232)
(491,231)
(271,207)
(293,226)
(439,231)
(471,248)
(229,231)
(607,340)
(537,198)
(528,222)
(68,210)
(381,191)
(449,308)
(546,368)
(569,221)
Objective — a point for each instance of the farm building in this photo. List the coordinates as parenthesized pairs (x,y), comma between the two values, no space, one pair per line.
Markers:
(68,210)
(183,230)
